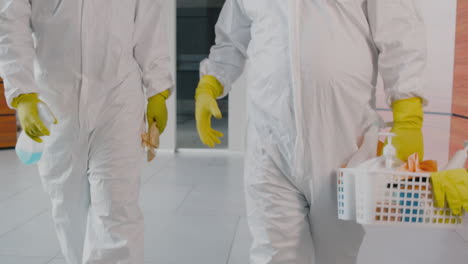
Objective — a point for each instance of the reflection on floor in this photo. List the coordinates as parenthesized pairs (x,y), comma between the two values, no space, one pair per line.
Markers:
(187,136)
(194,209)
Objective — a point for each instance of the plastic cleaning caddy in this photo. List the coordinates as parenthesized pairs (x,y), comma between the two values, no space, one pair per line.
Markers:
(399,198)
(390,198)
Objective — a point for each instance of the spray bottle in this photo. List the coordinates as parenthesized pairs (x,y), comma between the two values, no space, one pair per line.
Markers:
(459,160)
(28,150)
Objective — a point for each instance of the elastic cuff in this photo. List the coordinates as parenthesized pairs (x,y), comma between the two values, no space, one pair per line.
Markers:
(215,86)
(209,68)
(166,94)
(408,113)
(18,99)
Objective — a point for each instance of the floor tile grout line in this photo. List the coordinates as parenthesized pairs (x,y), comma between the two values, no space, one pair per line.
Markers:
(176,211)
(23,256)
(159,170)
(11,170)
(50,260)
(18,168)
(24,223)
(466,241)
(233,239)
(12,196)
(53,258)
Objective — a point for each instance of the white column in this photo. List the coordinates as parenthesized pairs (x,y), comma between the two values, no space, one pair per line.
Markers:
(168,139)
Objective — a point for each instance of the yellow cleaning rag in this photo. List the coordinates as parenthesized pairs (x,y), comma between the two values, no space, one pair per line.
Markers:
(414,165)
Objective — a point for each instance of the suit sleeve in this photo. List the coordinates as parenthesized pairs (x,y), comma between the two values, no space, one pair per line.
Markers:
(399,34)
(228,56)
(17,52)
(152,47)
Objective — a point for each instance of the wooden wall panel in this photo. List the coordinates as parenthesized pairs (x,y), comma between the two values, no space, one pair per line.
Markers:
(4,109)
(459,125)
(7,122)
(7,131)
(460,90)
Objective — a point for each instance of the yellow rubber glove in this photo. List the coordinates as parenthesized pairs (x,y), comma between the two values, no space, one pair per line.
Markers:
(451,186)
(408,119)
(28,114)
(206,107)
(157,110)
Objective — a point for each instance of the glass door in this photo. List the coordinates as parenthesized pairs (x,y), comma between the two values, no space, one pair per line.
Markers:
(196,21)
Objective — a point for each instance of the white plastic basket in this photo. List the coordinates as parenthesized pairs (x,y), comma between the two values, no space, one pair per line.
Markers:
(391,198)
(346,195)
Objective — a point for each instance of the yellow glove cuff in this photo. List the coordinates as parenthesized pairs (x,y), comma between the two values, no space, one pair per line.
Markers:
(209,84)
(166,94)
(20,97)
(163,95)
(408,113)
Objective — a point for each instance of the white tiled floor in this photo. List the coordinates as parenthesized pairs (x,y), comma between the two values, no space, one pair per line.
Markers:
(194,211)
(187,135)
(193,205)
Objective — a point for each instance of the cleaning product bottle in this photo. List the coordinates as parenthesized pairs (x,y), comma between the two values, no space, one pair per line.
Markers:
(389,153)
(28,150)
(459,160)
(387,161)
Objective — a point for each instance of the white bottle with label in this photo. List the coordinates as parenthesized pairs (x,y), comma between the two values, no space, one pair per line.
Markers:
(28,150)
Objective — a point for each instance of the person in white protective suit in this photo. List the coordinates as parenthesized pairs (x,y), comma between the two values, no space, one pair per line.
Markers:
(311,70)
(93,63)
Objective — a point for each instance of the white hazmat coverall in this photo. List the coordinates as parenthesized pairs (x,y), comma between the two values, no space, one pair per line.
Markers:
(311,78)
(94,63)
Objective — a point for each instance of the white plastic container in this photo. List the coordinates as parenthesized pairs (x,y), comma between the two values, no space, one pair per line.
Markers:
(459,159)
(28,150)
(389,198)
